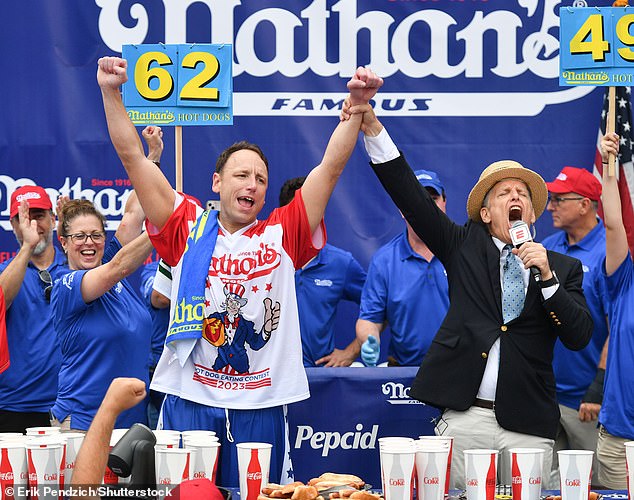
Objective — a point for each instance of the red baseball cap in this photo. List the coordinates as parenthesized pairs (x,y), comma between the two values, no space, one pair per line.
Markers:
(34,195)
(576,180)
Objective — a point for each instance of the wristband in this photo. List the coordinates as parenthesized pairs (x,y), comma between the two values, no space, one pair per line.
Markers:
(594,394)
(550,282)
(157,163)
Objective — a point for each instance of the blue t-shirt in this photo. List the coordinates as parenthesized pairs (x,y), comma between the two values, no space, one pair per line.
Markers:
(107,338)
(408,292)
(332,276)
(160,317)
(30,383)
(575,370)
(617,410)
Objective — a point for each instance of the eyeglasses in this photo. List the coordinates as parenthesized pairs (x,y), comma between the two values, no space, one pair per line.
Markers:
(45,278)
(556,200)
(79,238)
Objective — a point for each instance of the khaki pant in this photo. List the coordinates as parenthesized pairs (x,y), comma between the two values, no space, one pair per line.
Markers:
(64,425)
(611,456)
(478,428)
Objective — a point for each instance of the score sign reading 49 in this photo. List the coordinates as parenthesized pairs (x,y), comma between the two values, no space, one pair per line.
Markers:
(184,84)
(596,46)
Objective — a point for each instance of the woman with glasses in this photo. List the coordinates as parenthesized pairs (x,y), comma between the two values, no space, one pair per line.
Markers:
(103,327)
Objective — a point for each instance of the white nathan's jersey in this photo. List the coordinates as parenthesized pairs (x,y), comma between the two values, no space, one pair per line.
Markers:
(241,363)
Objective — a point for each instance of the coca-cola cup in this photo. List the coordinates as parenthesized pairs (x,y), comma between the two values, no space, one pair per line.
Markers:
(45,459)
(42,431)
(109,477)
(397,470)
(10,435)
(172,466)
(575,472)
(629,464)
(254,460)
(167,441)
(526,473)
(13,469)
(204,460)
(73,443)
(431,470)
(197,432)
(480,473)
(395,440)
(448,440)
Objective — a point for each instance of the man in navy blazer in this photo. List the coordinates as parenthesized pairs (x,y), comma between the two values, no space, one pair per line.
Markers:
(493,379)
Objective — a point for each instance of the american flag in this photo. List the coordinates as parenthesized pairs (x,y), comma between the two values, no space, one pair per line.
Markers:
(624,167)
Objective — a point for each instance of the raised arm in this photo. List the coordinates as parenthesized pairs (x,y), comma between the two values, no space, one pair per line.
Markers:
(99,280)
(615,237)
(131,224)
(13,275)
(152,187)
(322,179)
(92,458)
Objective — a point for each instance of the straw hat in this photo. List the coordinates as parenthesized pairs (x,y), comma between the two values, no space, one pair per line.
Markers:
(507,169)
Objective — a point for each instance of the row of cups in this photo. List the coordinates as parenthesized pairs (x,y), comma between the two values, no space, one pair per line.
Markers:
(178,456)
(42,457)
(424,465)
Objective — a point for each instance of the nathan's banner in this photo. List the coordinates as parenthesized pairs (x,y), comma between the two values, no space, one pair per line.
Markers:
(183,84)
(596,46)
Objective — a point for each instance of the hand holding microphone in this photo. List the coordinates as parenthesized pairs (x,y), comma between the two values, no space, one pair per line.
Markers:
(532,254)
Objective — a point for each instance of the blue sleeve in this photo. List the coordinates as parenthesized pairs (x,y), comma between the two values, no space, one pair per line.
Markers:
(621,280)
(67,302)
(355,279)
(111,250)
(374,295)
(147,281)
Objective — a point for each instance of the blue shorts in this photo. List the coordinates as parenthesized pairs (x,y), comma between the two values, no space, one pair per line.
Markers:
(266,425)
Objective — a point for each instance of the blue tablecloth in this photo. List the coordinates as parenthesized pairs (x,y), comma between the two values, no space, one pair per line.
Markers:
(337,429)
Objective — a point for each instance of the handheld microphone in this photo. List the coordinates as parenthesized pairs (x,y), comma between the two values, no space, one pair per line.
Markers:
(521,234)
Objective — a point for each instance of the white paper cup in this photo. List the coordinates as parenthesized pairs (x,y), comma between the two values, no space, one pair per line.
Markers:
(448,441)
(396,440)
(204,459)
(397,470)
(42,431)
(480,473)
(73,443)
(575,471)
(254,460)
(526,473)
(45,459)
(167,441)
(629,463)
(13,467)
(10,435)
(196,433)
(172,466)
(431,472)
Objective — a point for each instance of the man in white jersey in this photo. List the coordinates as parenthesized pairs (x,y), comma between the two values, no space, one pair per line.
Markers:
(233,377)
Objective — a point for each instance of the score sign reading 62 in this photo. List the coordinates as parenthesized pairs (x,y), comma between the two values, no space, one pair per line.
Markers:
(596,46)
(184,84)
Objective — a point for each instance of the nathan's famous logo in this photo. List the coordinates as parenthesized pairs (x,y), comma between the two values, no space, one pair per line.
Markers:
(109,201)
(248,266)
(398,394)
(428,41)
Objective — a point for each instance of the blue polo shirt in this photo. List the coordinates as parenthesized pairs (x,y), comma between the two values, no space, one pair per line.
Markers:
(30,383)
(107,338)
(333,275)
(617,410)
(408,292)
(575,370)
(160,317)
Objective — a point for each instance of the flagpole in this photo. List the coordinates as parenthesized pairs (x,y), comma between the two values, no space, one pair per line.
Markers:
(609,126)
(178,165)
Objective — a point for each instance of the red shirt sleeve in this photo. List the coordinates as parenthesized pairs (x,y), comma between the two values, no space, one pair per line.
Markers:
(171,239)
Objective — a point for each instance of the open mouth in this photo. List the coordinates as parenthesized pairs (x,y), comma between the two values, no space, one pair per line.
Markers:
(515,213)
(88,253)
(245,201)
